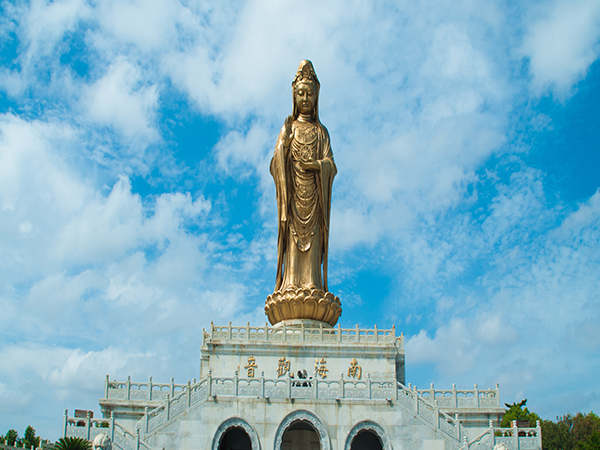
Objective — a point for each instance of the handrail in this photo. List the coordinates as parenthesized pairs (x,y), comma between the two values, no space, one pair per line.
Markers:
(301,333)
(462,398)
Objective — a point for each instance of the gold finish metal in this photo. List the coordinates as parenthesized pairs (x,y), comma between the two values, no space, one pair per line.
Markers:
(251,366)
(320,367)
(283,367)
(354,371)
(303,170)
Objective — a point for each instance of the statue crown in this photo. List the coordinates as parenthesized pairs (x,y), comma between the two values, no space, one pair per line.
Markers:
(306,74)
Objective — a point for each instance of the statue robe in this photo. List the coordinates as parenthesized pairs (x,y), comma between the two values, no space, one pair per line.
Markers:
(302,263)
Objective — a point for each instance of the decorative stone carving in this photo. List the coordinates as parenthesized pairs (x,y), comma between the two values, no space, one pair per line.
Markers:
(303,170)
(302,415)
(234,422)
(102,442)
(367,425)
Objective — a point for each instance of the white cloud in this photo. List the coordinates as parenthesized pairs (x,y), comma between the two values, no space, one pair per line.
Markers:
(561,44)
(122,100)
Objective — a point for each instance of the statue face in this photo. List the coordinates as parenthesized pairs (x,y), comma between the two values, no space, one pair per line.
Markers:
(306,98)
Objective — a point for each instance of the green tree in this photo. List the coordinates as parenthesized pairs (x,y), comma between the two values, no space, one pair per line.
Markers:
(11,437)
(518,411)
(72,443)
(572,432)
(30,439)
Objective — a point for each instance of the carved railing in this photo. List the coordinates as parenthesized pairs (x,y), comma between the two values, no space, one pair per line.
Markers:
(126,390)
(287,387)
(301,333)
(88,428)
(513,438)
(462,398)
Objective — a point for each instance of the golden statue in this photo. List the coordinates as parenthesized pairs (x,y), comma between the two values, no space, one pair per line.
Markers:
(303,170)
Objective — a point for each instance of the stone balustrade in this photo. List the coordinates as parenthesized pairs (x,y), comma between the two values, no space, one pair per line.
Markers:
(126,390)
(462,398)
(513,438)
(301,333)
(288,388)
(88,428)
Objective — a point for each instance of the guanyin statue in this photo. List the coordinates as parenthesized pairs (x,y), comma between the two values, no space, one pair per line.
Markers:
(303,170)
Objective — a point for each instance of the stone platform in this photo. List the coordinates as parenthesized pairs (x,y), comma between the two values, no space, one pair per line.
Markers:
(305,383)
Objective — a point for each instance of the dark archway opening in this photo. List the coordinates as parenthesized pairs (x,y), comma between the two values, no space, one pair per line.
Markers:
(300,435)
(235,438)
(366,440)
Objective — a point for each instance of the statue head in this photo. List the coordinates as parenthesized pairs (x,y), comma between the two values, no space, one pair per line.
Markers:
(102,442)
(306,90)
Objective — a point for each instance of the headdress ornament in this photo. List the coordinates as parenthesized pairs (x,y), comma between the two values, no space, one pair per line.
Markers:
(306,74)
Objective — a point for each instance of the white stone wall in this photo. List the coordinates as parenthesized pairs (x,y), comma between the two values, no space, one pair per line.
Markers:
(197,428)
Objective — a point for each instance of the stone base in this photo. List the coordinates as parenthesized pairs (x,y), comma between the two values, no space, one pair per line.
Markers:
(313,304)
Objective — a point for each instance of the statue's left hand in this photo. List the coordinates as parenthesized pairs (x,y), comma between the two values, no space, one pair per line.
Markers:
(312,165)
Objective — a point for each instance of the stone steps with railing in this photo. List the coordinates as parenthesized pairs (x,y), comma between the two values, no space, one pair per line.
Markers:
(513,438)
(88,428)
(286,388)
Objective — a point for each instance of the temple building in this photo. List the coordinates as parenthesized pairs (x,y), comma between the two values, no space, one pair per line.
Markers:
(301,382)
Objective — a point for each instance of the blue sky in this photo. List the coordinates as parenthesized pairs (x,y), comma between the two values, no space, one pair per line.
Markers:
(136,203)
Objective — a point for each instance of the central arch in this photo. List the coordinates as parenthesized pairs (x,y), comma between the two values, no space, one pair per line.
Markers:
(237,430)
(298,420)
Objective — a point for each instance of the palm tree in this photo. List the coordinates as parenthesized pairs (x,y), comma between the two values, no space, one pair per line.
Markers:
(72,443)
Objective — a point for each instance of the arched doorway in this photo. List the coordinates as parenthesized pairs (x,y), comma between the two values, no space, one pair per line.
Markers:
(366,440)
(300,435)
(235,434)
(367,435)
(235,438)
(301,429)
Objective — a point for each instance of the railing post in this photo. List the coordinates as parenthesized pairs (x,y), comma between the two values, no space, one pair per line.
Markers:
(340,332)
(476,391)
(454,397)
(302,329)
(376,334)
(497,395)
(266,331)
(106,383)
(167,408)
(236,379)
(369,385)
(466,441)
(289,384)
(436,411)
(150,388)
(316,387)
(416,392)
(189,393)
(229,331)
(357,334)
(88,424)
(538,433)
(262,384)
(515,435)
(112,426)
(284,332)
(247,331)
(209,384)
(147,420)
(65,422)
(457,426)
(172,387)
(492,436)
(128,387)
(137,439)
(342,386)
